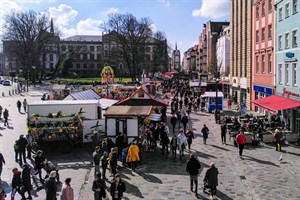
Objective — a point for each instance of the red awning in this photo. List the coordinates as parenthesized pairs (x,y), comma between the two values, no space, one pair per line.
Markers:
(274,103)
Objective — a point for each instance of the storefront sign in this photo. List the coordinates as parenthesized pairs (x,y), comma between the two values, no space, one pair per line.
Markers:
(290,57)
(288,93)
(262,89)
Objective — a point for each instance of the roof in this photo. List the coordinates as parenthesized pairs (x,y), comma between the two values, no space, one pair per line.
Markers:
(64,102)
(89,94)
(141,102)
(129,111)
(106,103)
(274,103)
(212,94)
(88,38)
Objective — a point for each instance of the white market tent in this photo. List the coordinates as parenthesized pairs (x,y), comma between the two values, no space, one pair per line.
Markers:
(212,94)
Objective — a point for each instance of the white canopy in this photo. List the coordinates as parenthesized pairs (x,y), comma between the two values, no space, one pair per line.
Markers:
(212,94)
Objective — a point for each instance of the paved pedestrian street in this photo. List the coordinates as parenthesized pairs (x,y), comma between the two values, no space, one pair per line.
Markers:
(259,176)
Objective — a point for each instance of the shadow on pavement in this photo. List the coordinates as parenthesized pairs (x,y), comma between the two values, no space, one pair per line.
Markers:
(259,161)
(223,196)
(218,147)
(203,155)
(132,189)
(150,178)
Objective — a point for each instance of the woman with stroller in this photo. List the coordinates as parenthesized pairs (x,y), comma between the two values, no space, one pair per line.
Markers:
(211,180)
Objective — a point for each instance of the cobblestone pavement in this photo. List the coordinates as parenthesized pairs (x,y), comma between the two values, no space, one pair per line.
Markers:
(259,176)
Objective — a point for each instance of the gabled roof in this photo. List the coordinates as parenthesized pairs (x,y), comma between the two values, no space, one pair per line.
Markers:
(88,38)
(129,111)
(84,95)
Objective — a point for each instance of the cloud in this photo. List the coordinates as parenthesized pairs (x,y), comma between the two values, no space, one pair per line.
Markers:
(9,6)
(62,15)
(153,28)
(213,9)
(166,2)
(110,11)
(84,27)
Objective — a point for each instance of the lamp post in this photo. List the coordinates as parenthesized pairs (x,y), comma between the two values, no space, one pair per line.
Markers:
(32,67)
(217,111)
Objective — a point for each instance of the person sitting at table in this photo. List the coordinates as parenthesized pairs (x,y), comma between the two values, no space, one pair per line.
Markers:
(247,116)
(228,120)
(260,131)
(254,120)
(250,125)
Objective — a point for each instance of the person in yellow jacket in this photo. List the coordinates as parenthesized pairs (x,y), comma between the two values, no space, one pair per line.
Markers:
(133,155)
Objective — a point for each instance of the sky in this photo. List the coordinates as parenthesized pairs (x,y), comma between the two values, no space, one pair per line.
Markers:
(180,20)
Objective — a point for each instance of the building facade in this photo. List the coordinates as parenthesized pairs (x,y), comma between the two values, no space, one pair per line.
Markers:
(287,57)
(176,63)
(240,51)
(190,59)
(223,51)
(263,65)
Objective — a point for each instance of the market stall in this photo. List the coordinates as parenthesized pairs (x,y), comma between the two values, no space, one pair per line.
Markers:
(211,100)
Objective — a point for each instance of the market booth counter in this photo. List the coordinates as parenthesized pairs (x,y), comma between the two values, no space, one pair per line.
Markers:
(125,119)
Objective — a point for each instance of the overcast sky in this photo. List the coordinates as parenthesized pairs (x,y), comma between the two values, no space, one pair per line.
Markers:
(180,20)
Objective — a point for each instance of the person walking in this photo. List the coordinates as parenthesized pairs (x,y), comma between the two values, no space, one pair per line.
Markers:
(19,104)
(133,155)
(241,141)
(38,164)
(96,159)
(192,167)
(1,110)
(113,161)
(2,162)
(28,147)
(22,143)
(104,163)
(50,186)
(173,121)
(5,115)
(67,192)
(174,146)
(184,120)
(99,187)
(181,140)
(25,104)
(223,133)
(205,132)
(117,188)
(211,179)
(278,140)
(26,180)
(16,184)
(16,149)
(190,136)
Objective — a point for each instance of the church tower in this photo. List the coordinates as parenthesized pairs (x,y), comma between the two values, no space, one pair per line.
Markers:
(176,59)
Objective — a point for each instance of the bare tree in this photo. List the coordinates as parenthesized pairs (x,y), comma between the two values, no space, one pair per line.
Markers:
(26,35)
(160,53)
(130,34)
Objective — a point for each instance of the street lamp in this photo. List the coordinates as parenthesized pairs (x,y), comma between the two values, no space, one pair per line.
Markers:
(32,67)
(217,111)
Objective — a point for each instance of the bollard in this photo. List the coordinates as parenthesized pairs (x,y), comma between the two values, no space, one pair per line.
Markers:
(13,92)
(16,91)
(3,94)
(9,93)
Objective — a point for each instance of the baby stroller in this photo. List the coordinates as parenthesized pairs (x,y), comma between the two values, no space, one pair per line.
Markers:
(206,188)
(49,167)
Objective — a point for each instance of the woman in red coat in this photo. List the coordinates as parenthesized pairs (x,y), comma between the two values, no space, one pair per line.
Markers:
(241,141)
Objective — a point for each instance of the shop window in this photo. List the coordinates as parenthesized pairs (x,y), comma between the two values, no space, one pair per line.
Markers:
(294,38)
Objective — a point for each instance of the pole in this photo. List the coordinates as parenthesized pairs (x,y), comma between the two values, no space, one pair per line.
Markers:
(216,111)
(27,79)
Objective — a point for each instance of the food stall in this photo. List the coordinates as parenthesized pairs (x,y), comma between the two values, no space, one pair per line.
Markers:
(211,101)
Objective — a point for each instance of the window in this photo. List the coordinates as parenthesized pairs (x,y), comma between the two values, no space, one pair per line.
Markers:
(294,68)
(280,14)
(270,63)
(257,64)
(92,56)
(295,6)
(287,10)
(270,5)
(92,66)
(286,73)
(286,40)
(257,36)
(294,39)
(263,9)
(270,32)
(280,42)
(99,48)
(98,56)
(84,65)
(92,48)
(257,12)
(280,74)
(78,65)
(263,33)
(263,62)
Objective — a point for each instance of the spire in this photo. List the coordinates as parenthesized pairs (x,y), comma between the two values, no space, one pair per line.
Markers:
(176,46)
(51,26)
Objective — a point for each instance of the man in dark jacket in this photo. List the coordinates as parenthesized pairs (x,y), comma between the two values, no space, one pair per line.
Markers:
(223,133)
(38,164)
(2,162)
(211,179)
(22,143)
(26,180)
(184,120)
(96,159)
(50,186)
(99,187)
(16,183)
(205,132)
(192,167)
(19,104)
(173,121)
